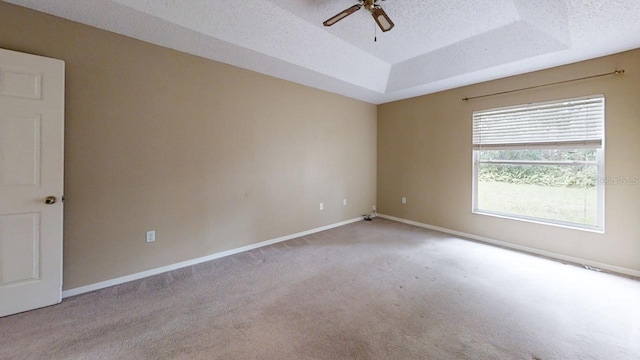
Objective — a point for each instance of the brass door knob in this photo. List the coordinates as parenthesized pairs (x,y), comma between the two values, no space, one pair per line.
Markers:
(50,200)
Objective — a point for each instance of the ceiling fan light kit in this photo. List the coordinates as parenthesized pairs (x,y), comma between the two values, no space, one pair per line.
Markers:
(379,15)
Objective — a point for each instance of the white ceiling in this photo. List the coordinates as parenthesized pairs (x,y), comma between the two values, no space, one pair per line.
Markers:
(435,45)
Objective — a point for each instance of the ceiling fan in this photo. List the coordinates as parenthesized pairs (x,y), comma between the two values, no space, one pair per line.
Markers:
(381,17)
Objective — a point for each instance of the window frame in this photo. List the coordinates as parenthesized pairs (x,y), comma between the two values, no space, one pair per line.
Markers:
(599,163)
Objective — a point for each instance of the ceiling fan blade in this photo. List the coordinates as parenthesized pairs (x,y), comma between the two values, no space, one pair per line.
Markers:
(342,15)
(383,20)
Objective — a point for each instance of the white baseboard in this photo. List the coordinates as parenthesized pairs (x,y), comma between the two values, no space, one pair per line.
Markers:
(163,269)
(549,254)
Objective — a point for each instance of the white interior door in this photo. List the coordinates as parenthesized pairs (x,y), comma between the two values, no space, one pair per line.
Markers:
(31,169)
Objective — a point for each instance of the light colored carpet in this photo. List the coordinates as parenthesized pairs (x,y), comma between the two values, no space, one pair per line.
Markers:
(370,290)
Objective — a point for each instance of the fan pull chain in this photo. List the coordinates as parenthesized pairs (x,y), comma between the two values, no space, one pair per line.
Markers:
(375,33)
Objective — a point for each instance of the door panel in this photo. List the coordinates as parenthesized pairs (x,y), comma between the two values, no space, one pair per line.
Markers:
(16,83)
(31,168)
(20,149)
(19,247)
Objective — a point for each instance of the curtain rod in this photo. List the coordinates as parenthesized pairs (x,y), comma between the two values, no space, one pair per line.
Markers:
(617,72)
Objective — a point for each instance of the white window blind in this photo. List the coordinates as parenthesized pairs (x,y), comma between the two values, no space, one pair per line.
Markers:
(576,123)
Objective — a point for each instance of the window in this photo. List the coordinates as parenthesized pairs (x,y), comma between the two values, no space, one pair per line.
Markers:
(541,162)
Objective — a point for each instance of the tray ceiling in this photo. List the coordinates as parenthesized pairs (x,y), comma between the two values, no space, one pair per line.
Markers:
(435,45)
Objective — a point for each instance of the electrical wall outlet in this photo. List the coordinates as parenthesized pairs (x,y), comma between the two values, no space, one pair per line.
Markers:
(151,236)
(404,200)
(344,202)
(321,206)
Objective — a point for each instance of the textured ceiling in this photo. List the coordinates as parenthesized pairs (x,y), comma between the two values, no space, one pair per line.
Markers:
(435,45)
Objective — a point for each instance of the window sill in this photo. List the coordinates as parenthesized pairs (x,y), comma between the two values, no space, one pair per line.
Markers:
(571,226)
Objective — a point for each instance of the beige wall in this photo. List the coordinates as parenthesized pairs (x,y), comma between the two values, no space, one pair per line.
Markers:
(211,156)
(424,153)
